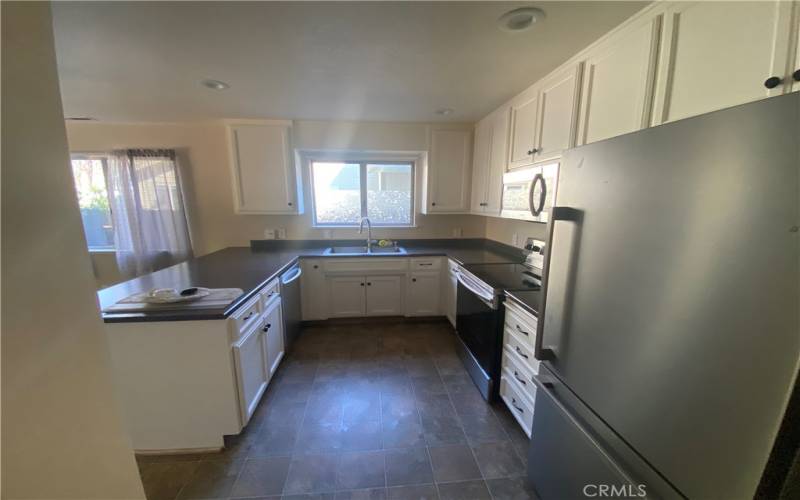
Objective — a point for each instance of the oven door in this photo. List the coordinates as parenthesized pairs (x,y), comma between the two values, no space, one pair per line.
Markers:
(478,324)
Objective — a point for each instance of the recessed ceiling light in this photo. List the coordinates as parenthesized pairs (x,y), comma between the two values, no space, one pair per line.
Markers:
(214,84)
(521,19)
(444,111)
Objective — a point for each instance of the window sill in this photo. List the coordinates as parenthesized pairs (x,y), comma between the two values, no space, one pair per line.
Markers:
(102,250)
(374,226)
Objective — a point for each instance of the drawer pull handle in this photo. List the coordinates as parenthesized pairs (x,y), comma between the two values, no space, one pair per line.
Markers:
(520,352)
(249,315)
(513,403)
(426,263)
(266,327)
(516,376)
(520,330)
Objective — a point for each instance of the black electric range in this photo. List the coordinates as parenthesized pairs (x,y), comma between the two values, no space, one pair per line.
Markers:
(480,317)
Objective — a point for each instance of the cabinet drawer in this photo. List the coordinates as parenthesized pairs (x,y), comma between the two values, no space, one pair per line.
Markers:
(269,293)
(425,264)
(244,318)
(520,350)
(521,323)
(521,407)
(521,372)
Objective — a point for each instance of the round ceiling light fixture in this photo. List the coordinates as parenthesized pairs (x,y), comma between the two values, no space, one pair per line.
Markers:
(214,84)
(521,19)
(444,111)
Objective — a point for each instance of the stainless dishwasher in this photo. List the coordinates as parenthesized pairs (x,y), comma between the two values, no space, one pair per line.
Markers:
(290,303)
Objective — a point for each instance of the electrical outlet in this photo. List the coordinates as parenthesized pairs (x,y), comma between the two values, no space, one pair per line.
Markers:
(515,240)
(269,234)
(281,233)
(458,232)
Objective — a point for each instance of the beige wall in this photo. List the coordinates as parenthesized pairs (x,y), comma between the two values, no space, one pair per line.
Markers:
(61,432)
(503,230)
(203,149)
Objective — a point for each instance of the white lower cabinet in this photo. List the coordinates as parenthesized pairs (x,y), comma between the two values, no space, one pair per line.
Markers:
(252,372)
(313,290)
(517,387)
(272,327)
(422,298)
(384,295)
(347,296)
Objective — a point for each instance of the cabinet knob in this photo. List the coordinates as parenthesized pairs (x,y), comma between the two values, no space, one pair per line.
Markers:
(290,203)
(316,266)
(369,284)
(266,327)
(796,75)
(773,82)
(433,204)
(414,280)
(362,284)
(532,151)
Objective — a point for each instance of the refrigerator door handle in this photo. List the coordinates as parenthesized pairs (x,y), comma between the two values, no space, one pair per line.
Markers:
(567,214)
(547,387)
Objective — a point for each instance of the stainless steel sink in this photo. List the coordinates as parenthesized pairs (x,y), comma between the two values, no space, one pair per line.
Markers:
(364,250)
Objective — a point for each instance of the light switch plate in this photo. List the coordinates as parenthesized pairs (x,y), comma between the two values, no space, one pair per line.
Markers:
(269,234)
(281,233)
(458,232)
(515,240)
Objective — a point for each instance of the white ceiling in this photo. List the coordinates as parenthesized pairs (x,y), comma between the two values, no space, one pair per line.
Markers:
(381,61)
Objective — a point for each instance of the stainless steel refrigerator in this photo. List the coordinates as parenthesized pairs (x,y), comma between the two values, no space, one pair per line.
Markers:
(670,337)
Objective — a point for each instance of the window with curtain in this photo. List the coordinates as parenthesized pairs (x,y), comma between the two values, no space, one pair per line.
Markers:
(147,210)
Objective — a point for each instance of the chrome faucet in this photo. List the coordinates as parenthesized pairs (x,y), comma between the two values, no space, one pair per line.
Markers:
(369,231)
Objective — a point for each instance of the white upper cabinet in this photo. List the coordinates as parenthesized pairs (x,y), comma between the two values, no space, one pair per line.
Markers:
(718,55)
(447,187)
(523,133)
(616,97)
(264,177)
(480,164)
(497,161)
(558,113)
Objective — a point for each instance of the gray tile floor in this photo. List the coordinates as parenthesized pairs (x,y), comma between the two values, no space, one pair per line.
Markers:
(361,411)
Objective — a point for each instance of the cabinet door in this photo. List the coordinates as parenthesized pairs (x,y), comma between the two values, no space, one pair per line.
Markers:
(250,361)
(480,164)
(617,88)
(449,169)
(263,170)
(497,161)
(347,296)
(313,290)
(558,113)
(273,330)
(522,135)
(718,55)
(384,295)
(422,298)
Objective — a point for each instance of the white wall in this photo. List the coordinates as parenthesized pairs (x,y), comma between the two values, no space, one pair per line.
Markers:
(61,432)
(503,230)
(213,224)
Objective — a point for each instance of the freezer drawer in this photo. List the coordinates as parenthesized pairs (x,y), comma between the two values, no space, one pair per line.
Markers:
(573,454)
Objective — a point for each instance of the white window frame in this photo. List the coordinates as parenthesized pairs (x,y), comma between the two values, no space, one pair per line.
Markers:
(415,158)
(103,157)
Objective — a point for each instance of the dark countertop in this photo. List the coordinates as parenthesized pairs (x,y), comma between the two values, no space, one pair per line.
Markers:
(530,300)
(251,268)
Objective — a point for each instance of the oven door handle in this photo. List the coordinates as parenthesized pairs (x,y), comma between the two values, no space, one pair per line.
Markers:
(470,285)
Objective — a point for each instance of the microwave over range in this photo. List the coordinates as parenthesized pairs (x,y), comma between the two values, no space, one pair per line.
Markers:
(528,194)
